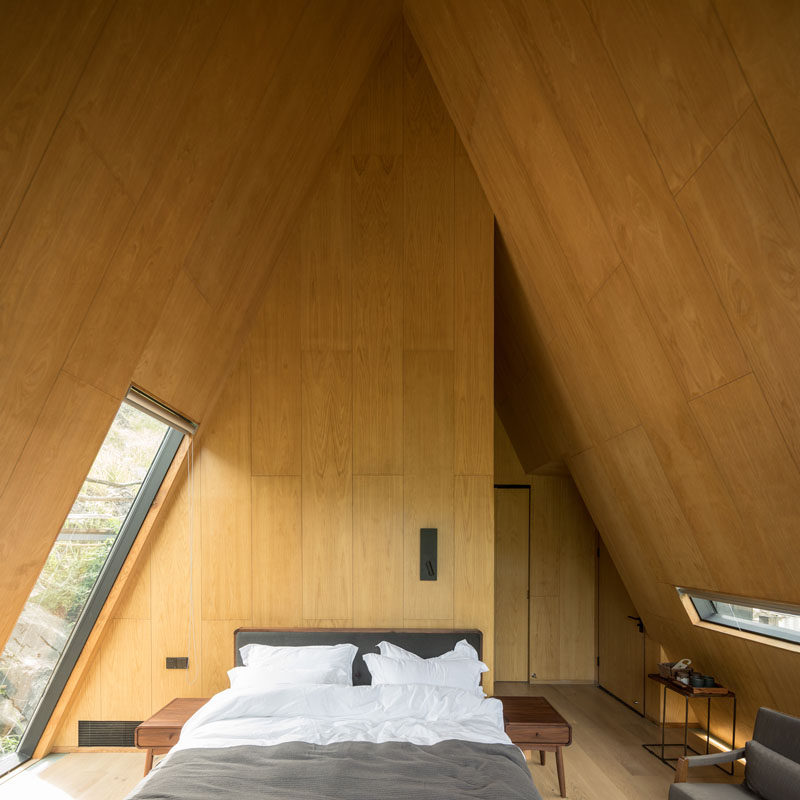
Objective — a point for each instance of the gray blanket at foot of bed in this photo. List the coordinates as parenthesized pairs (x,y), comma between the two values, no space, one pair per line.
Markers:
(344,771)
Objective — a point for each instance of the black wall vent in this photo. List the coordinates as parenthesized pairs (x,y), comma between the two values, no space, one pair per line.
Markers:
(106,733)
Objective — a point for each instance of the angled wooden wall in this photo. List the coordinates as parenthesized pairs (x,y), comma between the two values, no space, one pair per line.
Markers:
(146,145)
(642,161)
(360,411)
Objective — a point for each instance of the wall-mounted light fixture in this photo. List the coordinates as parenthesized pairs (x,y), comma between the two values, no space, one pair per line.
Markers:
(428,567)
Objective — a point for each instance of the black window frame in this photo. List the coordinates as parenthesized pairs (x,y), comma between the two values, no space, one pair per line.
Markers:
(96,600)
(704,604)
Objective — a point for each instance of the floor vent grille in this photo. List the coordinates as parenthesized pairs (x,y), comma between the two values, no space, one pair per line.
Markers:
(106,733)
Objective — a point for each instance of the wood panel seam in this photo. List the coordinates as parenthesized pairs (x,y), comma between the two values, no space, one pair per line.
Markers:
(58,122)
(714,149)
(752,91)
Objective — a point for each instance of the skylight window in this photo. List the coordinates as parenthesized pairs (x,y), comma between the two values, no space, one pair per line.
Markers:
(762,618)
(79,573)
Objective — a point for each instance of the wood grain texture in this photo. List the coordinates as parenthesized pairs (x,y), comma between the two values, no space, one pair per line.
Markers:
(70,217)
(376,121)
(544,640)
(134,601)
(517,113)
(44,50)
(671,429)
(176,628)
(324,251)
(428,412)
(766,41)
(630,552)
(184,312)
(473,562)
(275,373)
(176,201)
(277,551)
(562,582)
(680,73)
(125,656)
(654,242)
(224,466)
(75,419)
(744,213)
(428,159)
(761,474)
(377,270)
(648,500)
(473,358)
(512,524)
(378,551)
(304,104)
(217,655)
(328,485)
(149,54)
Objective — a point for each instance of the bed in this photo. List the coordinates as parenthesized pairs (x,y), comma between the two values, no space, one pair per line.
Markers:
(335,741)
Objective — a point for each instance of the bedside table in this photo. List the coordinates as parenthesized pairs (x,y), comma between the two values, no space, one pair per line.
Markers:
(533,724)
(158,734)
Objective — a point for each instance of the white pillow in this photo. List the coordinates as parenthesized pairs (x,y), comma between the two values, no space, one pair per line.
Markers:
(463,649)
(326,657)
(264,677)
(458,673)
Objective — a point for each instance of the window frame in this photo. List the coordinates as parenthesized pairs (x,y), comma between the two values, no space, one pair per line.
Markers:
(699,604)
(96,600)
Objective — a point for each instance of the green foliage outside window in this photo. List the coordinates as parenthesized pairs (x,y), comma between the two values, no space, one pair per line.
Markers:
(68,576)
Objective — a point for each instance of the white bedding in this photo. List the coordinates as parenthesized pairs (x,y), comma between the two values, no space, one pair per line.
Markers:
(322,714)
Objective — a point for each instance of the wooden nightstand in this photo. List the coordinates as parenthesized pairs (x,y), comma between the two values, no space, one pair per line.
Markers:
(533,724)
(158,734)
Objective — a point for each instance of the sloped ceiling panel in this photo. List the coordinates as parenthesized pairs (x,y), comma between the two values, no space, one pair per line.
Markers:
(641,160)
(154,154)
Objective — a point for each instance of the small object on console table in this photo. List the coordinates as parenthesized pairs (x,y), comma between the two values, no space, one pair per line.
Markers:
(533,724)
(158,734)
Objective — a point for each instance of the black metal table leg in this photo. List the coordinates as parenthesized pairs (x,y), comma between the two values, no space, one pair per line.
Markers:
(686,728)
(733,734)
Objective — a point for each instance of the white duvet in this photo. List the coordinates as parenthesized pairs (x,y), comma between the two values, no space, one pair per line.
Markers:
(322,714)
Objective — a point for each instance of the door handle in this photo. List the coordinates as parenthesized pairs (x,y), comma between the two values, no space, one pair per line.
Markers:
(639,623)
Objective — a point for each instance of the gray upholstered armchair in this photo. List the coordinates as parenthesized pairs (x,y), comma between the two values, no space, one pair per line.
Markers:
(772,769)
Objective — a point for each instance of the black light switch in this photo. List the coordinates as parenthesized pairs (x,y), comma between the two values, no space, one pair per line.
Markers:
(428,569)
(177,662)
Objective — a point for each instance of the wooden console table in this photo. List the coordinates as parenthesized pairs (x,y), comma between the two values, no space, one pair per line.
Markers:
(689,693)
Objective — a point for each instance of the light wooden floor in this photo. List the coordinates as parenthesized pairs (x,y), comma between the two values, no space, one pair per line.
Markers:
(605,761)
(84,776)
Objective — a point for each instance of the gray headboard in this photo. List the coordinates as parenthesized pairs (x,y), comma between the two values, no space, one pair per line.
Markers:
(425,643)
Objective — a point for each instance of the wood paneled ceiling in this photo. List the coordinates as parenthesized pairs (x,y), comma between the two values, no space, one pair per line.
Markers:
(153,154)
(643,161)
